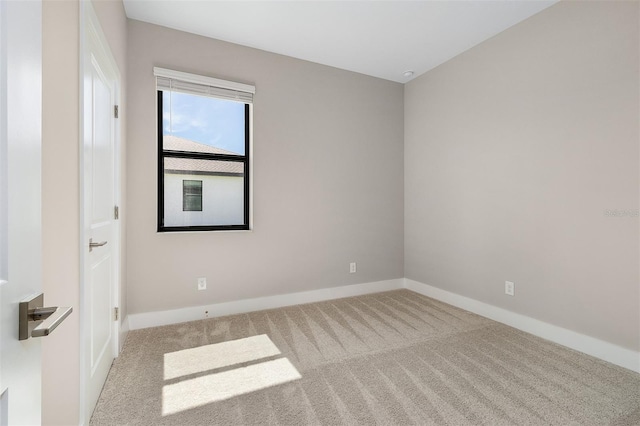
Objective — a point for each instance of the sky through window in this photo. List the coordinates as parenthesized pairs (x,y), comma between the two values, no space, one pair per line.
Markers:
(210,121)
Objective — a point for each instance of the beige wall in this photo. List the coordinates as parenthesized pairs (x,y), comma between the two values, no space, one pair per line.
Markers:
(513,152)
(60,194)
(60,209)
(328,180)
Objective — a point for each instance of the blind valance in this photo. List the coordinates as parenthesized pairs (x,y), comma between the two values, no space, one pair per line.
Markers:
(194,84)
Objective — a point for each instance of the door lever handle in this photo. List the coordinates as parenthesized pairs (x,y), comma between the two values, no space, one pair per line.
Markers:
(93,245)
(52,317)
(32,311)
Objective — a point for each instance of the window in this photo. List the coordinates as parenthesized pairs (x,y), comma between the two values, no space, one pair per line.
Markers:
(204,140)
(192,195)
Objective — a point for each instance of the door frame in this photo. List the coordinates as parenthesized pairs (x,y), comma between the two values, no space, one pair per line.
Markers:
(93,40)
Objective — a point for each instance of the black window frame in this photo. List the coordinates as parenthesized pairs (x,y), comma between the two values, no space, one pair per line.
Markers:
(245,159)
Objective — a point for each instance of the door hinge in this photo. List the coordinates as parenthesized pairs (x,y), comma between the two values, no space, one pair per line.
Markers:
(115,111)
(116,314)
(116,212)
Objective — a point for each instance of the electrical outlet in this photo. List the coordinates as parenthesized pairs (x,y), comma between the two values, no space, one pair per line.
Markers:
(202,283)
(509,288)
(352,268)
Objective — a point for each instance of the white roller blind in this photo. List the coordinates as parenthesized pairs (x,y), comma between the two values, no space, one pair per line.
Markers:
(194,84)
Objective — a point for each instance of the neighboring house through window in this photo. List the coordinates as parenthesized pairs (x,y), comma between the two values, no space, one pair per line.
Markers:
(204,145)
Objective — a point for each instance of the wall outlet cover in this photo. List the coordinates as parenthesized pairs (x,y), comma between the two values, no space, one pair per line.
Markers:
(202,283)
(509,288)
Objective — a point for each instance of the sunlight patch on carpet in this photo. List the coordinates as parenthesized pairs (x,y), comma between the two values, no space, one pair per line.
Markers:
(193,393)
(219,355)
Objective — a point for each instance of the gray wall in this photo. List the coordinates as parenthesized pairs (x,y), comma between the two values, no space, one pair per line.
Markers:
(513,152)
(328,179)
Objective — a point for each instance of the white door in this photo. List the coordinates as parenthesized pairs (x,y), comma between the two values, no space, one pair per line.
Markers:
(20,224)
(100,227)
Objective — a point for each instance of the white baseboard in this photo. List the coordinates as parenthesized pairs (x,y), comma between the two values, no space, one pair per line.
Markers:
(606,351)
(174,316)
(124,330)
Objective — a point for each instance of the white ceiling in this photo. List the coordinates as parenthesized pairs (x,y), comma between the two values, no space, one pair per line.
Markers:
(378,38)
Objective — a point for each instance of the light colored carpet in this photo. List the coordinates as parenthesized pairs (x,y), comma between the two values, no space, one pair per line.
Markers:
(392,358)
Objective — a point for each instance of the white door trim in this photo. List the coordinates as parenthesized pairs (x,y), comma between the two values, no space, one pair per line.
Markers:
(92,37)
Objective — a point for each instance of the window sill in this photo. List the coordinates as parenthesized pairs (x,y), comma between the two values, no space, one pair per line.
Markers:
(219,231)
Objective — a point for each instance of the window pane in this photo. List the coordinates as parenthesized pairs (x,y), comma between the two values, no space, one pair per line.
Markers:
(192,195)
(203,192)
(202,124)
